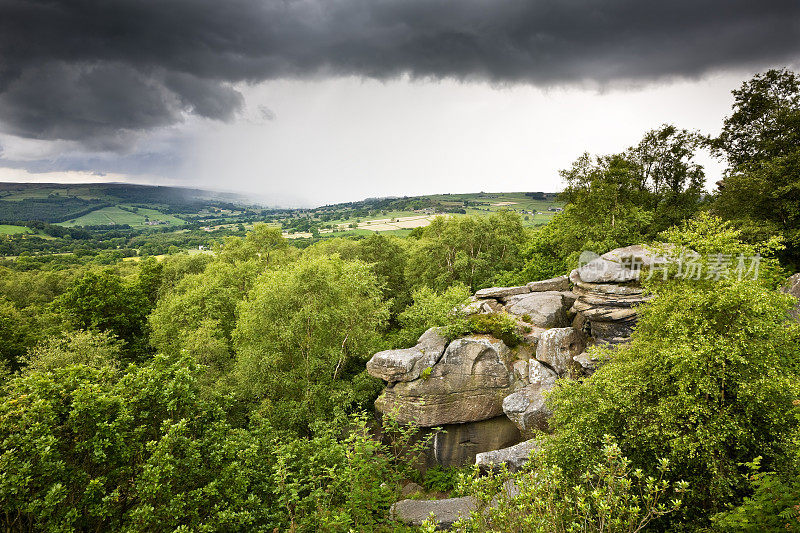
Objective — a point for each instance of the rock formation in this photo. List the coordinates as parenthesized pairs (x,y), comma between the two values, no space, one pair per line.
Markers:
(445,512)
(407,364)
(608,291)
(467,384)
(487,396)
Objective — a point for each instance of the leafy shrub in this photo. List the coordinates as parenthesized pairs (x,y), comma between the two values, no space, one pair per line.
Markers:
(97,449)
(610,496)
(500,325)
(773,507)
(707,381)
(442,479)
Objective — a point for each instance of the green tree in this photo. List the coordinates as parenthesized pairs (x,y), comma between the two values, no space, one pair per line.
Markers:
(13,334)
(105,302)
(304,334)
(91,348)
(429,310)
(472,251)
(88,448)
(707,381)
(199,315)
(618,200)
(761,142)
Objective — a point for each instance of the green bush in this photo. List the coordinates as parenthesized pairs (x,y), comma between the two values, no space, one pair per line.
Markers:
(610,496)
(707,381)
(500,325)
(98,449)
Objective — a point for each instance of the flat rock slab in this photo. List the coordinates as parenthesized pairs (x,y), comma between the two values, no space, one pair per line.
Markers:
(546,309)
(446,512)
(501,292)
(514,457)
(560,283)
(407,364)
(603,288)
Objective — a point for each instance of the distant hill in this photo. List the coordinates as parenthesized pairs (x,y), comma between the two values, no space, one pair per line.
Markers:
(104,203)
(105,206)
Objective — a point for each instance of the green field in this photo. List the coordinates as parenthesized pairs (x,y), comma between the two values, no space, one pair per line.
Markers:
(116,215)
(5,229)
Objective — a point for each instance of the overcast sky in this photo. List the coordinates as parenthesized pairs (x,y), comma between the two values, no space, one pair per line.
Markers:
(306,102)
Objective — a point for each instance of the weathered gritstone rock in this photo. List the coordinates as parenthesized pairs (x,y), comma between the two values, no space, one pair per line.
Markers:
(458,444)
(558,346)
(501,292)
(407,364)
(514,457)
(527,407)
(467,384)
(792,287)
(618,266)
(560,283)
(546,309)
(588,363)
(608,292)
(446,512)
(482,306)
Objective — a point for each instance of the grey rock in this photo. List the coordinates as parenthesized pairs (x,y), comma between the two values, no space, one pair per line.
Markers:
(546,309)
(467,384)
(618,266)
(514,457)
(521,370)
(587,362)
(792,287)
(538,371)
(446,512)
(636,254)
(603,288)
(612,333)
(604,313)
(407,364)
(478,306)
(501,292)
(569,298)
(458,444)
(603,271)
(560,283)
(558,346)
(527,407)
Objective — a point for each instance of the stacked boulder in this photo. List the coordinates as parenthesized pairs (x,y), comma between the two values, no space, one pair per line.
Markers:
(608,290)
(484,394)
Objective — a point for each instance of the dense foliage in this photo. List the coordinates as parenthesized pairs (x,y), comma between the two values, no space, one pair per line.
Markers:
(224,390)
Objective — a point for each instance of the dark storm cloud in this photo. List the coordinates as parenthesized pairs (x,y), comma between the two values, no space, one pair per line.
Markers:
(97,71)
